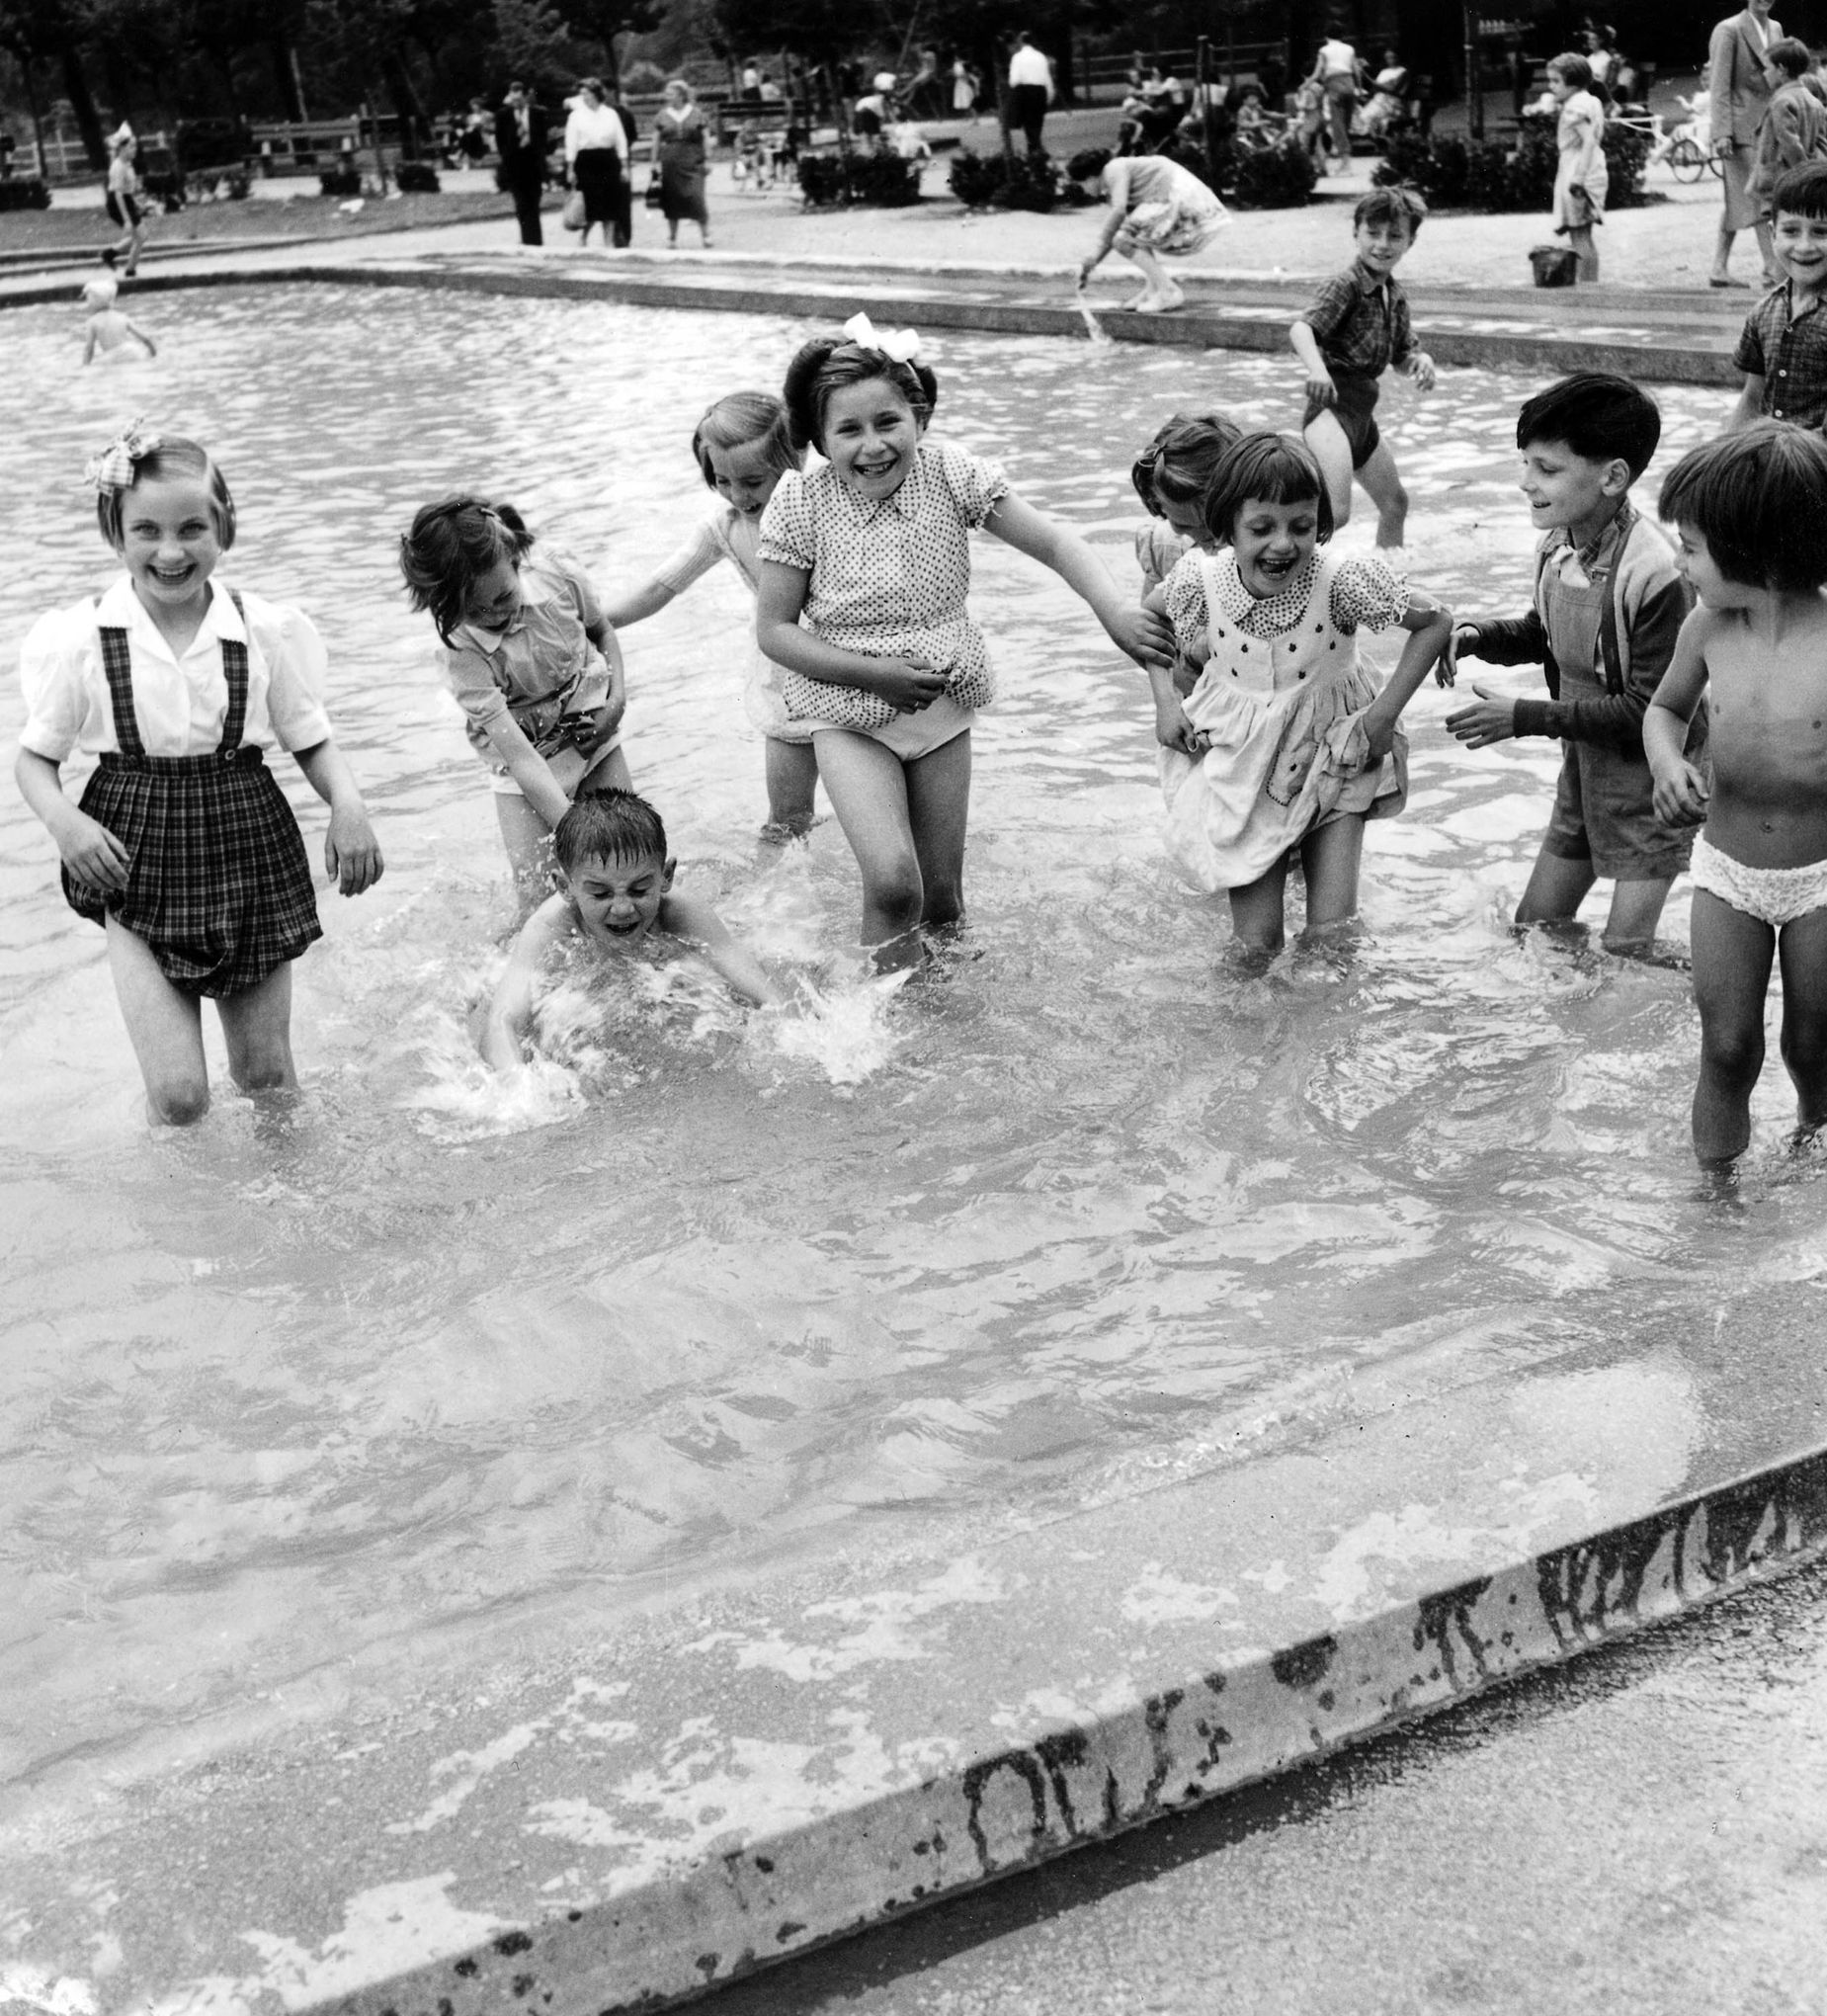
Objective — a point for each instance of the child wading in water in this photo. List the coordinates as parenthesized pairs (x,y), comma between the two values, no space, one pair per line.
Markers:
(1356,327)
(1609,605)
(616,896)
(532,662)
(109,333)
(1286,741)
(873,551)
(1170,476)
(184,848)
(742,450)
(1748,511)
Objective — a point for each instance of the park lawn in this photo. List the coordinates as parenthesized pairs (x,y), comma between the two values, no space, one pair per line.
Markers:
(70,228)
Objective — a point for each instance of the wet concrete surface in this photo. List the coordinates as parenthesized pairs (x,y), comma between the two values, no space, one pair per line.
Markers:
(1642,1831)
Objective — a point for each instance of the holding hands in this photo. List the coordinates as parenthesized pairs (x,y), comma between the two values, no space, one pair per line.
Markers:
(1681,792)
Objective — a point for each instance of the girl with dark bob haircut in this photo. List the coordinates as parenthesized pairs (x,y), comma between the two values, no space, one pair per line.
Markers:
(1758,499)
(1276,468)
(453,544)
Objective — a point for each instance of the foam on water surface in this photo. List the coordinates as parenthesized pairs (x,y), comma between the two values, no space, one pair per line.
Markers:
(1074,1206)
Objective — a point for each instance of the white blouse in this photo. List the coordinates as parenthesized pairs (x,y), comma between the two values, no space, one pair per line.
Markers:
(600,126)
(179,704)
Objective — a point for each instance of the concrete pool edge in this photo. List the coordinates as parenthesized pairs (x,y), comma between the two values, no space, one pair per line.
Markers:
(624,1816)
(1522,335)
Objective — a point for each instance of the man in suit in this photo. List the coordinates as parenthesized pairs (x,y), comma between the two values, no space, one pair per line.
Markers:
(1741,83)
(520,140)
(624,199)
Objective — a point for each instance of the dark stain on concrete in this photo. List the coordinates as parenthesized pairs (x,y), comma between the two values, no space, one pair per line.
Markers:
(1306,1664)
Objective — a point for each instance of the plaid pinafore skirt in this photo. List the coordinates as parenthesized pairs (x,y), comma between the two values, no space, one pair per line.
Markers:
(217,880)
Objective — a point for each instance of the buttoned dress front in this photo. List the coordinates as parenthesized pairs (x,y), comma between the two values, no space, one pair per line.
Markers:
(887,578)
(1283,697)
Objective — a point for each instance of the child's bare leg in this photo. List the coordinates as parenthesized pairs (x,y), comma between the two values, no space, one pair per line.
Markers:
(793,779)
(608,772)
(1579,240)
(1557,885)
(867,784)
(938,811)
(165,1027)
(1383,486)
(256,1027)
(1732,956)
(528,840)
(1258,913)
(1326,438)
(1330,857)
(1802,951)
(1154,278)
(1636,911)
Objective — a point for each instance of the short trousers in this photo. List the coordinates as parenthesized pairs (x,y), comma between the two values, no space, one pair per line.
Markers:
(123,210)
(1354,411)
(1773,896)
(501,781)
(1604,813)
(912,736)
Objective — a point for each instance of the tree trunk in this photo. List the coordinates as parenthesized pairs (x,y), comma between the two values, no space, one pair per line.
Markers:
(82,104)
(38,118)
(405,101)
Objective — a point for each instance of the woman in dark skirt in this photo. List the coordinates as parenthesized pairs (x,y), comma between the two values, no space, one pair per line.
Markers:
(184,849)
(679,148)
(596,146)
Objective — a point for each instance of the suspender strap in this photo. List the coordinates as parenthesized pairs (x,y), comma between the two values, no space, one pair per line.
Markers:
(117,665)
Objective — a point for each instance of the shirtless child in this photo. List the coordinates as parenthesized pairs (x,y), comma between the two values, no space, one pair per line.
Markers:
(617,894)
(109,331)
(1748,511)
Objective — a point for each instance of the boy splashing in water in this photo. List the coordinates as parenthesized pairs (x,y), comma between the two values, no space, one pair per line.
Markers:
(1748,510)
(617,894)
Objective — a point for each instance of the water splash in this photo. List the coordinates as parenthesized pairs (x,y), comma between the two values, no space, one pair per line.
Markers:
(847,1033)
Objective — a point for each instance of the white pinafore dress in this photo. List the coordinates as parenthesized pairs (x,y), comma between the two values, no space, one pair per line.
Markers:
(1289,748)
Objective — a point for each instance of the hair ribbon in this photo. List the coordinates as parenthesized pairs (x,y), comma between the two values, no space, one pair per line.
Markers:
(902,346)
(113,468)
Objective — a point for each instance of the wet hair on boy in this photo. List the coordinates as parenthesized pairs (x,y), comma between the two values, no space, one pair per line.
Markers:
(609,825)
(1758,499)
(828,364)
(1272,468)
(452,544)
(174,456)
(1801,192)
(1596,415)
(1397,204)
(1178,465)
(744,420)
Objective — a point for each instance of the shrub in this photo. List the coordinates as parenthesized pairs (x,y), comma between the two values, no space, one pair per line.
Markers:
(340,182)
(417,178)
(1025,182)
(29,193)
(1500,175)
(164,187)
(1280,177)
(849,177)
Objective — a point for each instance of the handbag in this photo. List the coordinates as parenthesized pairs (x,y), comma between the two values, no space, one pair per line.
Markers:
(572,216)
(654,190)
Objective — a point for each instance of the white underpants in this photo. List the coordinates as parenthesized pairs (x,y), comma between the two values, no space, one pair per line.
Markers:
(1773,896)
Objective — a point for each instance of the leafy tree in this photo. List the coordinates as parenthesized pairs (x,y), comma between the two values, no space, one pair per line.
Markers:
(600,21)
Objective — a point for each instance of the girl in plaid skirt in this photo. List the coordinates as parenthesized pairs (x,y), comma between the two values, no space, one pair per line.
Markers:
(184,849)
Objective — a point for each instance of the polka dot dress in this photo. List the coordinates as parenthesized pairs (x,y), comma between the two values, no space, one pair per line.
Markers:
(889,577)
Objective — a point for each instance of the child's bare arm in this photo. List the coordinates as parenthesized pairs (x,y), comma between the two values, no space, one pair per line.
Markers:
(88,344)
(351,853)
(1138,633)
(693,920)
(638,604)
(1680,789)
(510,1008)
(90,852)
(133,329)
(608,714)
(1750,404)
(1430,629)
(1319,377)
(529,768)
(907,683)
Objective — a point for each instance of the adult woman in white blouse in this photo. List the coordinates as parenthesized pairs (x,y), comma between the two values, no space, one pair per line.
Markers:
(596,152)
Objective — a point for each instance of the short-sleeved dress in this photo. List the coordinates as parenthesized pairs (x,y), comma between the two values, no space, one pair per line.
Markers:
(1283,696)
(889,577)
(726,533)
(1577,134)
(543,670)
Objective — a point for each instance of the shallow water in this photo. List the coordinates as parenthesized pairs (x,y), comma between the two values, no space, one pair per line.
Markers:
(1072,1207)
